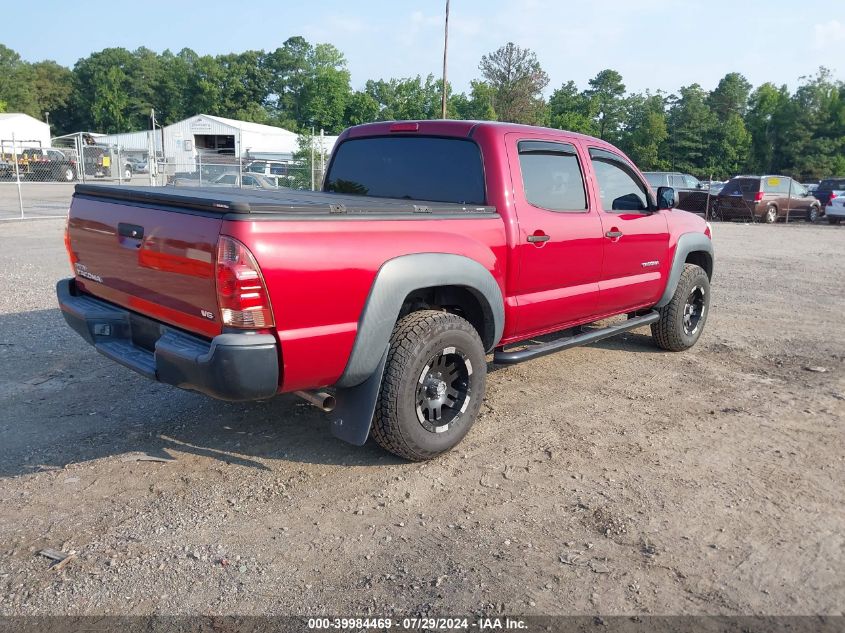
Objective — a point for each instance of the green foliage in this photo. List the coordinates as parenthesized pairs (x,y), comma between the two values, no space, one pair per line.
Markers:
(572,110)
(517,81)
(606,92)
(410,98)
(477,106)
(301,175)
(645,130)
(17,83)
(691,127)
(299,86)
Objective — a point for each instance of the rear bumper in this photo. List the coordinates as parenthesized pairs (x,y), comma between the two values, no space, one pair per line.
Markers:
(236,366)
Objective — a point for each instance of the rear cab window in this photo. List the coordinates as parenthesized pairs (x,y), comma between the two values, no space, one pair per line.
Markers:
(551,176)
(438,169)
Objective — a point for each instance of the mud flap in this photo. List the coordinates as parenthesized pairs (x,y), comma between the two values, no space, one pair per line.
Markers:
(353,415)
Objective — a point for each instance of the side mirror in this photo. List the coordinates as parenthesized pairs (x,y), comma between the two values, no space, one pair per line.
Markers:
(666,198)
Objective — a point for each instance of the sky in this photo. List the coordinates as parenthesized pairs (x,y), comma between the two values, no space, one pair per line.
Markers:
(654,44)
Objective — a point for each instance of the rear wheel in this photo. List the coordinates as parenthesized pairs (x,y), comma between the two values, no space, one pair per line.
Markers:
(771,214)
(68,174)
(433,385)
(682,319)
(831,220)
(127,173)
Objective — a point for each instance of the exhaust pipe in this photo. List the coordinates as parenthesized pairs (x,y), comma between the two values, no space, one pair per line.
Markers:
(322,400)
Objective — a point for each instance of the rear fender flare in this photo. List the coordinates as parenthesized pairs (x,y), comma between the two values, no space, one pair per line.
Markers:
(687,243)
(395,280)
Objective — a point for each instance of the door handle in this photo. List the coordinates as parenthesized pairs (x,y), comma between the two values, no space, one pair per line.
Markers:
(613,234)
(538,238)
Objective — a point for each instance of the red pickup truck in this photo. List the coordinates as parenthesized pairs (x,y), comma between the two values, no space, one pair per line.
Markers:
(432,244)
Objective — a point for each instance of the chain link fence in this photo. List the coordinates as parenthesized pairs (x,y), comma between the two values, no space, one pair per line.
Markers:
(38,182)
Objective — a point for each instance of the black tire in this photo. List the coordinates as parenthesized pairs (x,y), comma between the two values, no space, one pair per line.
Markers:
(813,214)
(833,220)
(405,422)
(67,174)
(770,215)
(680,326)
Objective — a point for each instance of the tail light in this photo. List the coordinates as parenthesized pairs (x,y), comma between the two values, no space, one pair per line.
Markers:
(758,196)
(830,200)
(241,291)
(70,254)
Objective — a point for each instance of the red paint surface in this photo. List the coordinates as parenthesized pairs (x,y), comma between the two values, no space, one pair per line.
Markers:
(319,272)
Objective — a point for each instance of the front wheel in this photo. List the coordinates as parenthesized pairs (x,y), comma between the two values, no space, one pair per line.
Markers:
(682,319)
(813,214)
(433,385)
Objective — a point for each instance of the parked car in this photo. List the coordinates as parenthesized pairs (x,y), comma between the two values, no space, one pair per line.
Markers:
(432,244)
(715,186)
(7,169)
(692,193)
(835,210)
(811,186)
(255,181)
(766,199)
(46,164)
(138,165)
(828,189)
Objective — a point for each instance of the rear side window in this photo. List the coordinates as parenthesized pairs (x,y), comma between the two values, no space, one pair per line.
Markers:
(776,184)
(739,186)
(655,180)
(833,184)
(411,167)
(679,182)
(551,176)
(619,187)
(692,183)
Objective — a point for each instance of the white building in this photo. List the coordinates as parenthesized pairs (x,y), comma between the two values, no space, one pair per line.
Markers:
(205,136)
(27,131)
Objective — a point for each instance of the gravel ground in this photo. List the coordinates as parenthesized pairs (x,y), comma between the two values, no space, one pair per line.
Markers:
(612,479)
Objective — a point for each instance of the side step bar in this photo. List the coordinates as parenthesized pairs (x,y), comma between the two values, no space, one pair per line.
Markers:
(541,349)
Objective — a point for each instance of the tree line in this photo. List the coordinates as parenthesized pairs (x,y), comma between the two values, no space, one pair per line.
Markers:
(734,128)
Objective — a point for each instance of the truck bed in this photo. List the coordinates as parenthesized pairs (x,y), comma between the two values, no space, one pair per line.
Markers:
(284,202)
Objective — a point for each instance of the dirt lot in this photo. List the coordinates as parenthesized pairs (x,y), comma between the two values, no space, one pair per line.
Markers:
(613,479)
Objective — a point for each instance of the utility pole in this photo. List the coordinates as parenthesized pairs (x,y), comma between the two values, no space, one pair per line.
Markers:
(445,51)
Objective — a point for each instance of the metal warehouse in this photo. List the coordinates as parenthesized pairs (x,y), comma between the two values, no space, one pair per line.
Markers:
(181,143)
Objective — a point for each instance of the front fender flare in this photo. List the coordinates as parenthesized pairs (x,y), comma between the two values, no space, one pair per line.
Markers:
(687,243)
(395,280)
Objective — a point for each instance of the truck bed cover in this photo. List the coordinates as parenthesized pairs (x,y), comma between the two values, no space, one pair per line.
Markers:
(293,202)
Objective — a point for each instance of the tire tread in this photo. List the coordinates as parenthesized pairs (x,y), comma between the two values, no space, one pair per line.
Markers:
(409,331)
(664,332)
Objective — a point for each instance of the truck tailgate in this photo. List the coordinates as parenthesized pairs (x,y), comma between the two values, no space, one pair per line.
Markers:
(156,262)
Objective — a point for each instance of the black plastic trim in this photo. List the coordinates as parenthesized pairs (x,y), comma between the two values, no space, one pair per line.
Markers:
(288,202)
(395,280)
(231,366)
(567,342)
(687,243)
